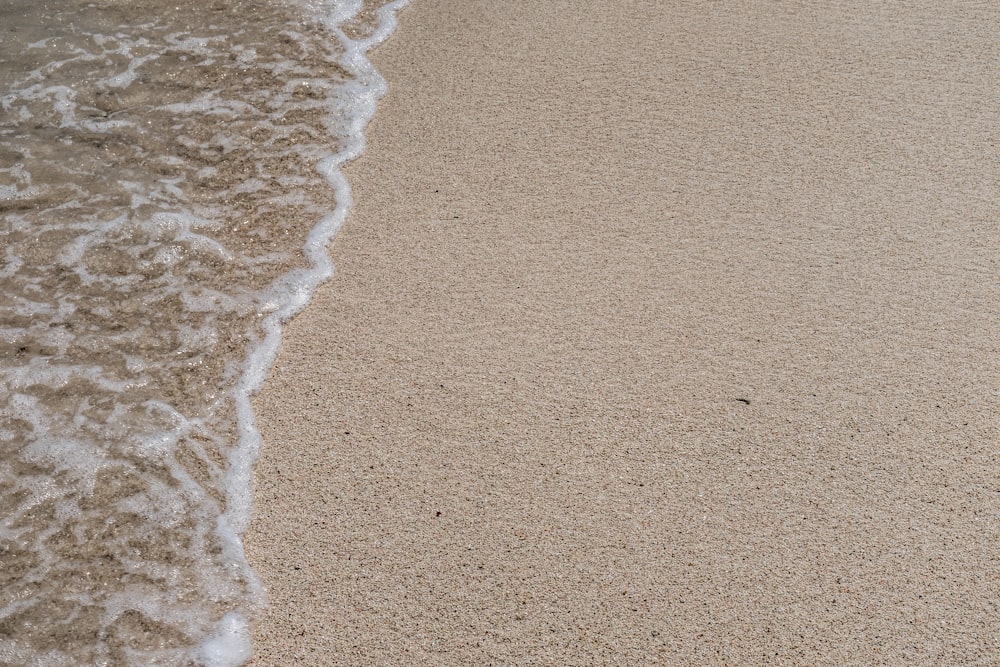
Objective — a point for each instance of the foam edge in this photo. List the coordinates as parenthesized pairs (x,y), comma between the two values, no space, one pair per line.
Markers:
(230,644)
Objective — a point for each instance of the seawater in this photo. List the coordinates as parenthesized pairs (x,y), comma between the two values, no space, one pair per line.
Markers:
(169,180)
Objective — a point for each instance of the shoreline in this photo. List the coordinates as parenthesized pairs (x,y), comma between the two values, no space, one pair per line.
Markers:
(656,335)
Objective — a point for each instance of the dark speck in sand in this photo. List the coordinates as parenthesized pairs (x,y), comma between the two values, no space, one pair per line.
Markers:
(744,400)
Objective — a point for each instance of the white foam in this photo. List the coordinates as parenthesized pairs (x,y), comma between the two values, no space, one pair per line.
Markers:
(230,645)
(40,371)
(365,93)
(165,247)
(80,458)
(180,227)
(358,106)
(211,103)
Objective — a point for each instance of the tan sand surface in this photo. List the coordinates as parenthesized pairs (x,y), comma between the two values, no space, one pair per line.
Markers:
(663,333)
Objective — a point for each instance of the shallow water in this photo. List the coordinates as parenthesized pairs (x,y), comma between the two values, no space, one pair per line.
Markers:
(169,176)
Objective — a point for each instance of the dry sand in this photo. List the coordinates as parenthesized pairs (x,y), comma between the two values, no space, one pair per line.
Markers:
(663,333)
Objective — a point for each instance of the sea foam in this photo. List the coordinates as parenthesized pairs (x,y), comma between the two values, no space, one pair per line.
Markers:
(170,177)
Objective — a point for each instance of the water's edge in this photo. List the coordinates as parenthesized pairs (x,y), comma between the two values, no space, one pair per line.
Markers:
(170,179)
(231,643)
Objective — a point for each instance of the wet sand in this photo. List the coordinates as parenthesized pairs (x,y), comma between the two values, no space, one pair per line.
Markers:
(662,333)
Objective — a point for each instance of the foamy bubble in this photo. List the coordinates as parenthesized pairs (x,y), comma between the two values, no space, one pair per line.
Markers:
(230,645)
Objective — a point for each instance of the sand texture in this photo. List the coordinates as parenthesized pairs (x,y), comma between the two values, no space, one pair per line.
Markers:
(663,333)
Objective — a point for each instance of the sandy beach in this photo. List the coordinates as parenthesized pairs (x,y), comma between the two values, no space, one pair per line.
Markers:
(662,333)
